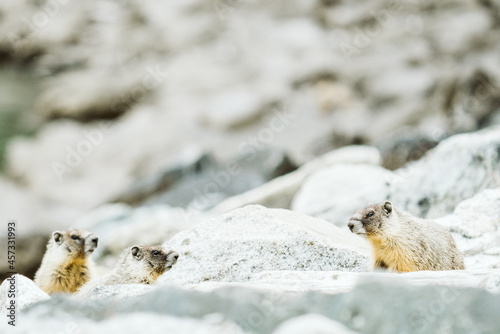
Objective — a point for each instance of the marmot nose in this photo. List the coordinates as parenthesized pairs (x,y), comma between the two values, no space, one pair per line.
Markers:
(95,240)
(351,226)
(173,256)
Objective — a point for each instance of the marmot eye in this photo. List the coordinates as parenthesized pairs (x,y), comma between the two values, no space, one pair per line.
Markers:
(75,237)
(369,214)
(156,252)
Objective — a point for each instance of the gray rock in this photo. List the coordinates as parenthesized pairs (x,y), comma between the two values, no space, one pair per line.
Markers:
(119,291)
(335,193)
(457,169)
(279,192)
(131,323)
(26,293)
(93,94)
(119,226)
(337,282)
(475,224)
(478,215)
(262,239)
(312,324)
(405,146)
(233,109)
(202,182)
(377,304)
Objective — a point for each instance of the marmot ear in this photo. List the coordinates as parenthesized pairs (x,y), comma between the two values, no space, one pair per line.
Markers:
(58,237)
(136,252)
(387,207)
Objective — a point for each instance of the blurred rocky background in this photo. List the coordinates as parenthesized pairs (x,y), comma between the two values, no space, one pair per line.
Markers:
(142,119)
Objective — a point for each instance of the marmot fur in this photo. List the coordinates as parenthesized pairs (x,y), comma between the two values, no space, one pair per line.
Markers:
(65,265)
(138,264)
(403,243)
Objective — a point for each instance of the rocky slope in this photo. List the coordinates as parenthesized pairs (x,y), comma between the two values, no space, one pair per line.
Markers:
(243,134)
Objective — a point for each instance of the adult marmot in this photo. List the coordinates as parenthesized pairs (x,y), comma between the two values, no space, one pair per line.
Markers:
(138,264)
(65,265)
(402,242)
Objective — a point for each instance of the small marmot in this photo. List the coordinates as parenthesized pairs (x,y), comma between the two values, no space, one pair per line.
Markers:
(138,264)
(403,243)
(65,265)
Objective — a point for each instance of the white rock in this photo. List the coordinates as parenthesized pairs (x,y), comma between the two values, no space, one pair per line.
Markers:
(335,193)
(119,226)
(233,108)
(457,169)
(478,215)
(312,324)
(337,282)
(236,245)
(475,225)
(27,293)
(279,192)
(118,292)
(131,323)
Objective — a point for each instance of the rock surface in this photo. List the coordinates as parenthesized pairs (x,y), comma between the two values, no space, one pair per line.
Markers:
(26,293)
(261,239)
(119,226)
(312,324)
(240,79)
(399,307)
(457,169)
(475,225)
(336,193)
(279,192)
(336,282)
(133,323)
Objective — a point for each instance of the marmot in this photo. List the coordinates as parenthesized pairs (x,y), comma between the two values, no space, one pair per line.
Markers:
(402,242)
(65,265)
(138,264)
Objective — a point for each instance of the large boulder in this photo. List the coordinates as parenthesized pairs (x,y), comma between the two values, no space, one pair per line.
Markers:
(118,291)
(377,305)
(337,282)
(25,293)
(475,224)
(279,193)
(457,169)
(129,323)
(312,324)
(335,193)
(236,245)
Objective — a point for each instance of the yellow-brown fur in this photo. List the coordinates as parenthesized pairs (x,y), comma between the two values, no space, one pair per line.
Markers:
(65,265)
(138,264)
(404,243)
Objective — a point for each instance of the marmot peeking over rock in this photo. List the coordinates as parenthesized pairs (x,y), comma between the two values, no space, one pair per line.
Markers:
(65,265)
(136,265)
(402,242)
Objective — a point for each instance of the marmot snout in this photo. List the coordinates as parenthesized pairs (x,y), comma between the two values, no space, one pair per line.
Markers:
(138,264)
(402,242)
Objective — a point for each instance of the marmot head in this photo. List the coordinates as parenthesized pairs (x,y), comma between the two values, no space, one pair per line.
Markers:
(152,259)
(369,220)
(74,242)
